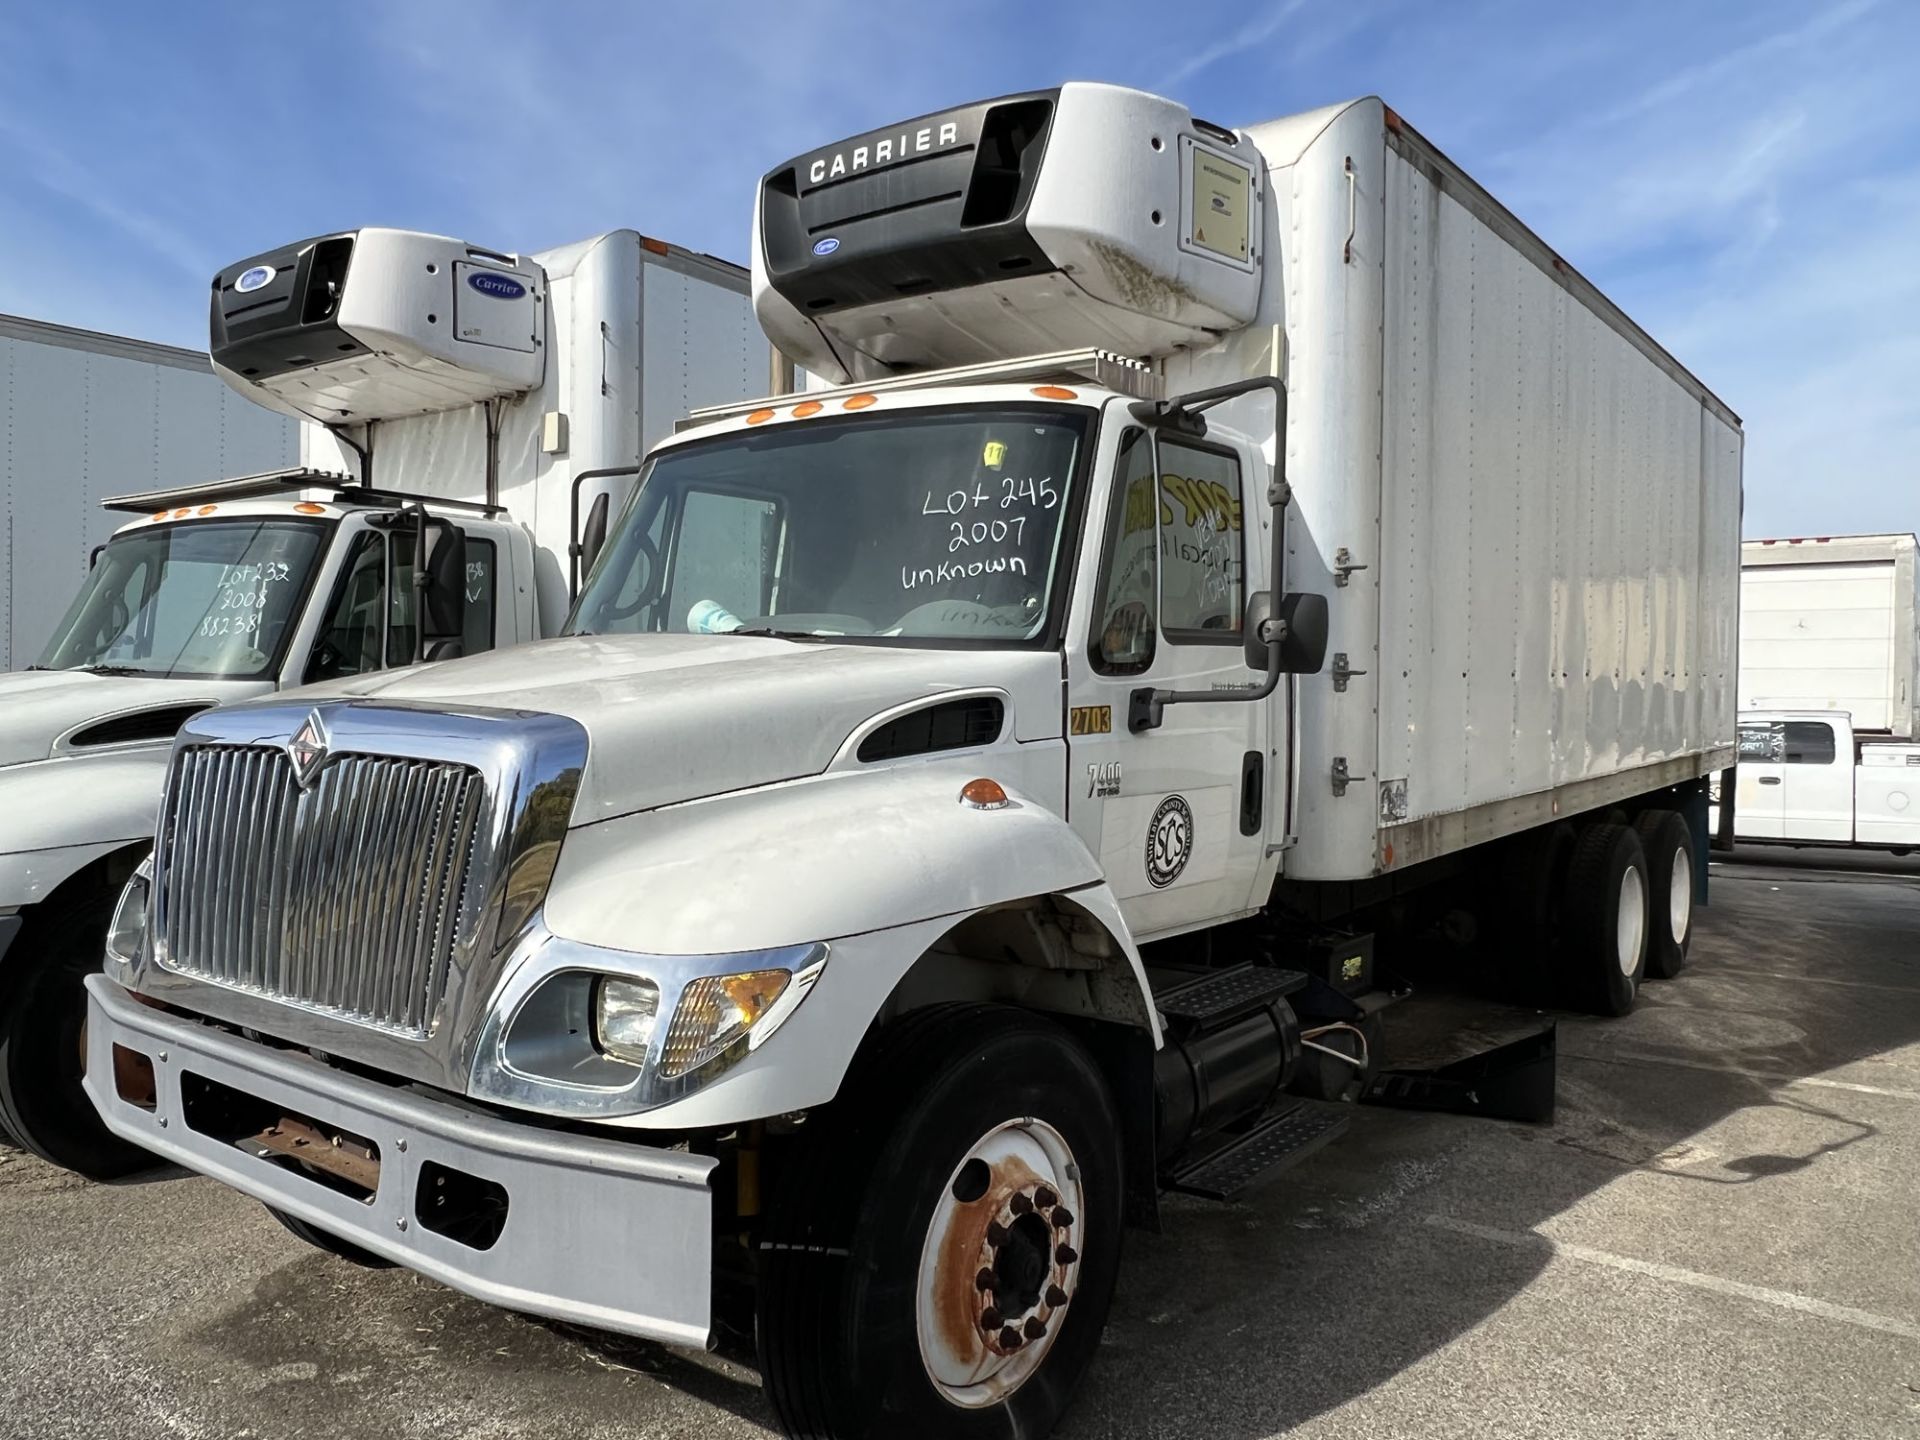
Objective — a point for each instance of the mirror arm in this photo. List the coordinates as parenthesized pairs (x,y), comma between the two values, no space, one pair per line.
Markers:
(1145,705)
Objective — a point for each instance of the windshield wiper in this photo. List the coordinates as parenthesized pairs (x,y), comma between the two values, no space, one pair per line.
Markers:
(769,632)
(115,670)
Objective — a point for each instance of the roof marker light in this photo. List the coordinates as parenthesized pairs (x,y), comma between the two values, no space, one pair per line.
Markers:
(859,402)
(1055,392)
(307,507)
(806,408)
(208,509)
(760,417)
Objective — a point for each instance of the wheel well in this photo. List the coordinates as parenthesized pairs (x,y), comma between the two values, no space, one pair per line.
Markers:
(1049,954)
(97,881)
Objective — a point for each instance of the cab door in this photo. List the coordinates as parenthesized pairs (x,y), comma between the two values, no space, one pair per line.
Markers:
(1173,813)
(1818,783)
(1760,795)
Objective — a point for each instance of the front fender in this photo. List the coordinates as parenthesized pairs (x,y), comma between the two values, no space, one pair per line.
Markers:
(57,816)
(840,854)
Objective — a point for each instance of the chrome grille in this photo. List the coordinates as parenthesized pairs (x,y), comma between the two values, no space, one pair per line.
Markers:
(350,897)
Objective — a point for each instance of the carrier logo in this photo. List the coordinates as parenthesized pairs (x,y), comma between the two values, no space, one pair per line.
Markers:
(500,287)
(826,246)
(886,150)
(252,279)
(308,750)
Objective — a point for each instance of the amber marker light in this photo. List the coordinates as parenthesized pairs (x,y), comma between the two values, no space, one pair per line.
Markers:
(806,408)
(984,794)
(759,417)
(307,507)
(208,509)
(859,402)
(1055,392)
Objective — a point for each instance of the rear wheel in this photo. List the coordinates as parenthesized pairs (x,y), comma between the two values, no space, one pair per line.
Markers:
(942,1248)
(43,1018)
(1668,844)
(1603,941)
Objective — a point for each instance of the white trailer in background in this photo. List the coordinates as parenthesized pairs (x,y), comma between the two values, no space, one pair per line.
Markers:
(965,798)
(480,409)
(83,416)
(1829,672)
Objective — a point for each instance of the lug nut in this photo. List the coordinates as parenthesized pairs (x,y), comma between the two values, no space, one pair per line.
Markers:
(985,1280)
(1066,1254)
(1062,1217)
(1056,1297)
(1045,1198)
(1020,1204)
(1034,1328)
(996,1234)
(990,1319)
(1010,1339)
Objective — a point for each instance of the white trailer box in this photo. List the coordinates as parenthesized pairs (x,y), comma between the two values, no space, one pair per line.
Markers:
(1831,624)
(85,415)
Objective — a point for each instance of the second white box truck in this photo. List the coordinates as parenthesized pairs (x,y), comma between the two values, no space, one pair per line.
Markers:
(963,799)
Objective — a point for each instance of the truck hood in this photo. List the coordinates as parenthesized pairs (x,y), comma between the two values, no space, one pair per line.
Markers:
(42,711)
(677,717)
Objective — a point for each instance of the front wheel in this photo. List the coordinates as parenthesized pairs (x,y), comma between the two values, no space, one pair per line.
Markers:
(43,1019)
(943,1246)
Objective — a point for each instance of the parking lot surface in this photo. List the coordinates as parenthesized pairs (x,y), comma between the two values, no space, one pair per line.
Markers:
(1716,1237)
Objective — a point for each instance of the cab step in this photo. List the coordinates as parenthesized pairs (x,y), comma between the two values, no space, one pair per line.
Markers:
(1274,1144)
(1217,996)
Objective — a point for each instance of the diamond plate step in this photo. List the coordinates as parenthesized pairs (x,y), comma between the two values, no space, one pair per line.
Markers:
(1224,994)
(1274,1144)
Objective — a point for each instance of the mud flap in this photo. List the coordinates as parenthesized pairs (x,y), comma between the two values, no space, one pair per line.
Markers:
(1514,1081)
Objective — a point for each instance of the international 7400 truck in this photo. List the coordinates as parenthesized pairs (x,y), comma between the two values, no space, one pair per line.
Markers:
(476,410)
(966,797)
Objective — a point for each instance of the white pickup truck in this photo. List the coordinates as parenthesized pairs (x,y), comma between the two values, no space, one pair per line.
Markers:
(1805,778)
(966,796)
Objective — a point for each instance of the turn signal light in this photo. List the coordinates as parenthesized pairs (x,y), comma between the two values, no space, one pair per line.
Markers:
(984,794)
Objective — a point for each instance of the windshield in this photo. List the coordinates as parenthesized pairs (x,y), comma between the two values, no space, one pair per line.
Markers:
(211,599)
(921,525)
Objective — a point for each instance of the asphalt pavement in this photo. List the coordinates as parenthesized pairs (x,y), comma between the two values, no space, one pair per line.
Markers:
(1716,1237)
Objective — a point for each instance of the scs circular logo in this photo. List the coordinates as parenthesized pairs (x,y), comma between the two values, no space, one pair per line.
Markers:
(1169,841)
(253,278)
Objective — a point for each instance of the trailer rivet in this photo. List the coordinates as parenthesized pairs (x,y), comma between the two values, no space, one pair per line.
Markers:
(401,1222)
(163,1122)
(401,1146)
(163,1055)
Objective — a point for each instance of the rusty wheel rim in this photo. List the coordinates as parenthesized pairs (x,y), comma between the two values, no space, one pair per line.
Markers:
(1000,1262)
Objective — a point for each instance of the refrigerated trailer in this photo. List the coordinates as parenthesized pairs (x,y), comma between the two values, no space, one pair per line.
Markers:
(85,415)
(466,420)
(968,796)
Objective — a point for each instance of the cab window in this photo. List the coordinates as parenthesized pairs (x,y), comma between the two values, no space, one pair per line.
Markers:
(1809,742)
(1175,557)
(370,624)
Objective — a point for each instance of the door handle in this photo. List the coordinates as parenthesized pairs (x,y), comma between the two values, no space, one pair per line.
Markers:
(1768,779)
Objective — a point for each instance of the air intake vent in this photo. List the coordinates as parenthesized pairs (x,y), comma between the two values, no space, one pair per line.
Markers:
(161,724)
(950,725)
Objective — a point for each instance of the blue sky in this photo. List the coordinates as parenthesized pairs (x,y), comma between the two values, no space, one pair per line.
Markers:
(1744,178)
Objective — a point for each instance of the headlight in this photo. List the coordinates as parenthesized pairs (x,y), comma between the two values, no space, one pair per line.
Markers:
(624,1014)
(127,935)
(714,1012)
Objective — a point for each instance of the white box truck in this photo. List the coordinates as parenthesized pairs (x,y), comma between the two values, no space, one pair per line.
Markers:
(84,415)
(1829,667)
(965,797)
(483,408)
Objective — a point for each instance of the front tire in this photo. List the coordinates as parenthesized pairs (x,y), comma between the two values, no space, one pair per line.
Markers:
(943,1246)
(43,1017)
(331,1243)
(1668,844)
(1604,938)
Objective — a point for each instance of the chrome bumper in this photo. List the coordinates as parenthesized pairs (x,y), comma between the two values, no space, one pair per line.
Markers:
(597,1232)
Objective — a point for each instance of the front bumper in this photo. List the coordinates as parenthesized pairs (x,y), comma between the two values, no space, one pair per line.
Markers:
(598,1232)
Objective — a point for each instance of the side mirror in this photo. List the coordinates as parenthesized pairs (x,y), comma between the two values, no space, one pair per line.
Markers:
(441,577)
(1303,648)
(593,537)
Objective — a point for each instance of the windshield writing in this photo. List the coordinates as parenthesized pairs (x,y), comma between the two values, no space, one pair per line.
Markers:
(922,525)
(210,599)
